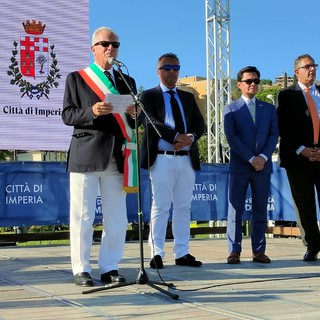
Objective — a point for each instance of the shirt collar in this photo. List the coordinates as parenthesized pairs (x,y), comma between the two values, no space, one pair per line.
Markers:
(302,86)
(246,100)
(110,70)
(165,89)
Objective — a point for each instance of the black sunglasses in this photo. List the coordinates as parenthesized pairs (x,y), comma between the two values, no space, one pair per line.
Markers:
(168,67)
(308,66)
(250,81)
(106,44)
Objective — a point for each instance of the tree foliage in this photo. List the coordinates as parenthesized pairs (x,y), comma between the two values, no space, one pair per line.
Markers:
(6,155)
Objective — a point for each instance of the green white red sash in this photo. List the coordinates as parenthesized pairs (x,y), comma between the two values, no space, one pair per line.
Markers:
(101,85)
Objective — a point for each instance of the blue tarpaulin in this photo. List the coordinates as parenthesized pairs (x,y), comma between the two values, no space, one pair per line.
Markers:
(37,193)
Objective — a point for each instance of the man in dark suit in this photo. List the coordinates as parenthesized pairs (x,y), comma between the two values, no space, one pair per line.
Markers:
(252,132)
(172,158)
(299,148)
(96,161)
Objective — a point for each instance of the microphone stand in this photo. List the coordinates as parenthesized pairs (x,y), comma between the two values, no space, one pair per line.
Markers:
(142,277)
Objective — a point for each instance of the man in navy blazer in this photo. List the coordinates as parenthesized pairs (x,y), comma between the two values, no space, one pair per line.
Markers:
(171,155)
(96,161)
(252,132)
(299,150)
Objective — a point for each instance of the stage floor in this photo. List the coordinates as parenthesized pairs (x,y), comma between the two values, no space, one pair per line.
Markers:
(36,283)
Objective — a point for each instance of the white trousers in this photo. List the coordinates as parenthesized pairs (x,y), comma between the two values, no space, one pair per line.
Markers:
(83,194)
(172,181)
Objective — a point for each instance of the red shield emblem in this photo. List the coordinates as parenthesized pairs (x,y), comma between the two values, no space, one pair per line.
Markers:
(34,58)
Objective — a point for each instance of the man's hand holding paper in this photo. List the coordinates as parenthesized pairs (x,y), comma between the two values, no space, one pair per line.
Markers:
(122,103)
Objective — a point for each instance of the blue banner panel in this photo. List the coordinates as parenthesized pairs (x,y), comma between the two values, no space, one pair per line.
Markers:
(33,193)
(37,193)
(210,193)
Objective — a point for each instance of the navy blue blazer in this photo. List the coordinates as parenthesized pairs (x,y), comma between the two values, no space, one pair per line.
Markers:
(248,139)
(93,141)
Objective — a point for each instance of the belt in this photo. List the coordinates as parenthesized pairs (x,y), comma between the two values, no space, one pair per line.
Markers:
(174,153)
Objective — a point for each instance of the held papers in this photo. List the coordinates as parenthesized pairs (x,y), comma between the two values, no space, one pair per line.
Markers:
(120,102)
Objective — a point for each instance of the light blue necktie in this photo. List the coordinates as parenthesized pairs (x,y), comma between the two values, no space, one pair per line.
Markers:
(252,109)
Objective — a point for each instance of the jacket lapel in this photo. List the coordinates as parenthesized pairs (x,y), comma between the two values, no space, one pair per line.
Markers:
(259,112)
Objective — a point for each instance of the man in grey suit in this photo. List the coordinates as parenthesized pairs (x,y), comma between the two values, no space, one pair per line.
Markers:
(172,158)
(251,129)
(96,159)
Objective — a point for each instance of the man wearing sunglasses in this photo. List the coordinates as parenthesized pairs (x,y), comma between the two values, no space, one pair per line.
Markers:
(298,114)
(172,158)
(96,160)
(251,129)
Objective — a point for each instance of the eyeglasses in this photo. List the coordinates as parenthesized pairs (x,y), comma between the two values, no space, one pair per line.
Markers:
(250,81)
(106,44)
(168,67)
(308,66)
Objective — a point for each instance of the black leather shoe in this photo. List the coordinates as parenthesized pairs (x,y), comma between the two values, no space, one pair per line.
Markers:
(156,262)
(310,256)
(188,260)
(112,276)
(83,279)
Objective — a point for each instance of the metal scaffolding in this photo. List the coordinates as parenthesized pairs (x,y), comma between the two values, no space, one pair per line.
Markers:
(218,76)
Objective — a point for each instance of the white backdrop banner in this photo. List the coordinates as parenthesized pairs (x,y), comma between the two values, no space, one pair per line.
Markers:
(41,42)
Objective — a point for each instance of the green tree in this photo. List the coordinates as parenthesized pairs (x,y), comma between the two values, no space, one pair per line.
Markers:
(203,148)
(6,155)
(268,94)
(266,81)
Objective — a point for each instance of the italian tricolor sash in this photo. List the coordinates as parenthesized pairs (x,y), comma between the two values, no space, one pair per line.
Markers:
(101,85)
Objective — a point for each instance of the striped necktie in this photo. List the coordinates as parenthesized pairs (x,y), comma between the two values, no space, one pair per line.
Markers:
(313,114)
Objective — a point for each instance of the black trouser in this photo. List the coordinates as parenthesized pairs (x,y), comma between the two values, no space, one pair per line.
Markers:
(304,184)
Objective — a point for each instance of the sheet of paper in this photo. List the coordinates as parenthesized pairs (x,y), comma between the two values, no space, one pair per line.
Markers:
(120,102)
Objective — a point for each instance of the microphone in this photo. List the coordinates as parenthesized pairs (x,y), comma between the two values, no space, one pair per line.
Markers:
(114,61)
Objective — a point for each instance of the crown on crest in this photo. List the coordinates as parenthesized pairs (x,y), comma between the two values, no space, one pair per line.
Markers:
(34,27)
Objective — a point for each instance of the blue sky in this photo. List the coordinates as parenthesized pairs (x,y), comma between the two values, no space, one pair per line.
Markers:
(266,33)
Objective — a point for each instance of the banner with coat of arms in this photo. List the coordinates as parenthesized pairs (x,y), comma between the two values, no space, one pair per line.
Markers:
(34,62)
(39,56)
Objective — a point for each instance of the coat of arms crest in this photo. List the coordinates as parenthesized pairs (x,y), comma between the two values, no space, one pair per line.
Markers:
(35,56)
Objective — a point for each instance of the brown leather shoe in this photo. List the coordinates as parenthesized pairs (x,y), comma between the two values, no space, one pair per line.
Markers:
(260,257)
(234,258)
